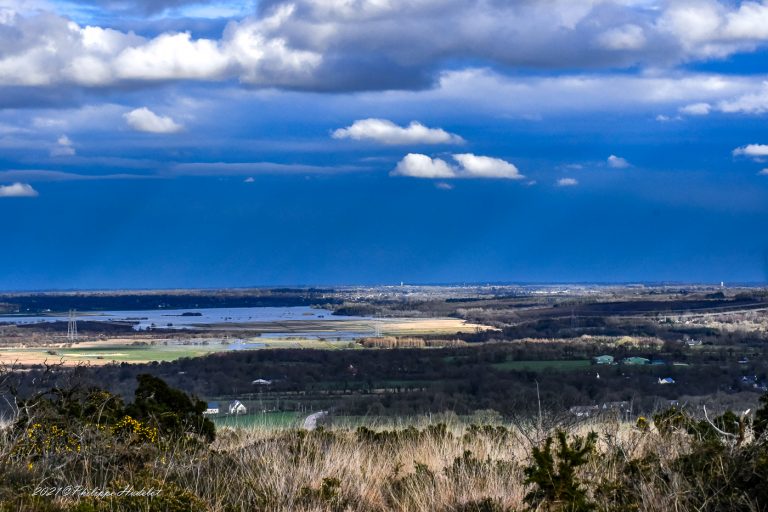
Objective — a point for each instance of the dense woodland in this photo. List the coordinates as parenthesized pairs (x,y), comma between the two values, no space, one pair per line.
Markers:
(500,376)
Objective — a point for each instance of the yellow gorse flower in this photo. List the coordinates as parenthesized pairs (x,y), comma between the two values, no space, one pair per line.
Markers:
(133,426)
(41,439)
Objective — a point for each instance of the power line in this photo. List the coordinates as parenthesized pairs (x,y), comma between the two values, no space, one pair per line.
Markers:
(72,326)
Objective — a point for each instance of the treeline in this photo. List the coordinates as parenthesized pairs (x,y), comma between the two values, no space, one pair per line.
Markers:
(38,303)
(409,342)
(451,307)
(606,326)
(88,327)
(414,381)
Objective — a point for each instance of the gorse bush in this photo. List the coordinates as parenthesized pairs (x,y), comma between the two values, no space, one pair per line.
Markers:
(554,474)
(328,495)
(62,434)
(483,505)
(172,411)
(675,420)
(157,410)
(437,431)
(761,419)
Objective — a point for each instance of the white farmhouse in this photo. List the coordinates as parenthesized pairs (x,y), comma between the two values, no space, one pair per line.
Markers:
(237,407)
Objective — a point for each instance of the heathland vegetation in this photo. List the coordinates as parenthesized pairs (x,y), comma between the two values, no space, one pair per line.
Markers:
(67,448)
(620,401)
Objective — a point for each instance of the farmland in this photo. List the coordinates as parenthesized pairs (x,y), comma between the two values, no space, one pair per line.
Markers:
(38,343)
(392,352)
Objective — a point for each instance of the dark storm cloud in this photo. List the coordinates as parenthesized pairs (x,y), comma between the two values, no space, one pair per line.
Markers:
(143,6)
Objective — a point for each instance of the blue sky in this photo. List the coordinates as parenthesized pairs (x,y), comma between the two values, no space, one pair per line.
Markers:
(187,143)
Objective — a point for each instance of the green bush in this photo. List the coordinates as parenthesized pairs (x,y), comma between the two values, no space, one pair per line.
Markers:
(328,495)
(171,410)
(725,478)
(553,475)
(483,505)
(405,492)
(467,466)
(761,418)
(87,436)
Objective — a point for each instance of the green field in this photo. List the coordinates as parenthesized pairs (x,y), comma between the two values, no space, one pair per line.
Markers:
(276,420)
(129,353)
(566,365)
(118,353)
(137,353)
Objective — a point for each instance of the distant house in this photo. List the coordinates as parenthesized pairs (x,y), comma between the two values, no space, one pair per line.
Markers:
(213,408)
(237,407)
(658,362)
(261,382)
(584,411)
(616,406)
(743,360)
(754,382)
(606,359)
(666,380)
(636,361)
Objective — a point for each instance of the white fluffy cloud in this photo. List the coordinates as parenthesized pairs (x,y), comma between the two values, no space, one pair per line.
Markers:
(172,56)
(626,37)
(696,109)
(467,165)
(18,190)
(616,162)
(486,167)
(764,172)
(387,132)
(752,150)
(710,28)
(144,120)
(375,44)
(755,102)
(416,165)
(567,182)
(494,92)
(45,49)
(63,147)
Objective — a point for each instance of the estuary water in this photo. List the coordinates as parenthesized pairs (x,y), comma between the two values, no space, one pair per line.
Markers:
(189,318)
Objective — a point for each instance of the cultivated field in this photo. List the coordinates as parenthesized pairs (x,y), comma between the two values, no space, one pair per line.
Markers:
(33,348)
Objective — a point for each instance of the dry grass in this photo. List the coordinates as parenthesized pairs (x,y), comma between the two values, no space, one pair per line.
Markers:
(282,467)
(384,475)
(424,469)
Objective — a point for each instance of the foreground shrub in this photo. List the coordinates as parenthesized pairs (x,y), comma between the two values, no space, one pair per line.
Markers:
(88,437)
(679,462)
(553,475)
(171,410)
